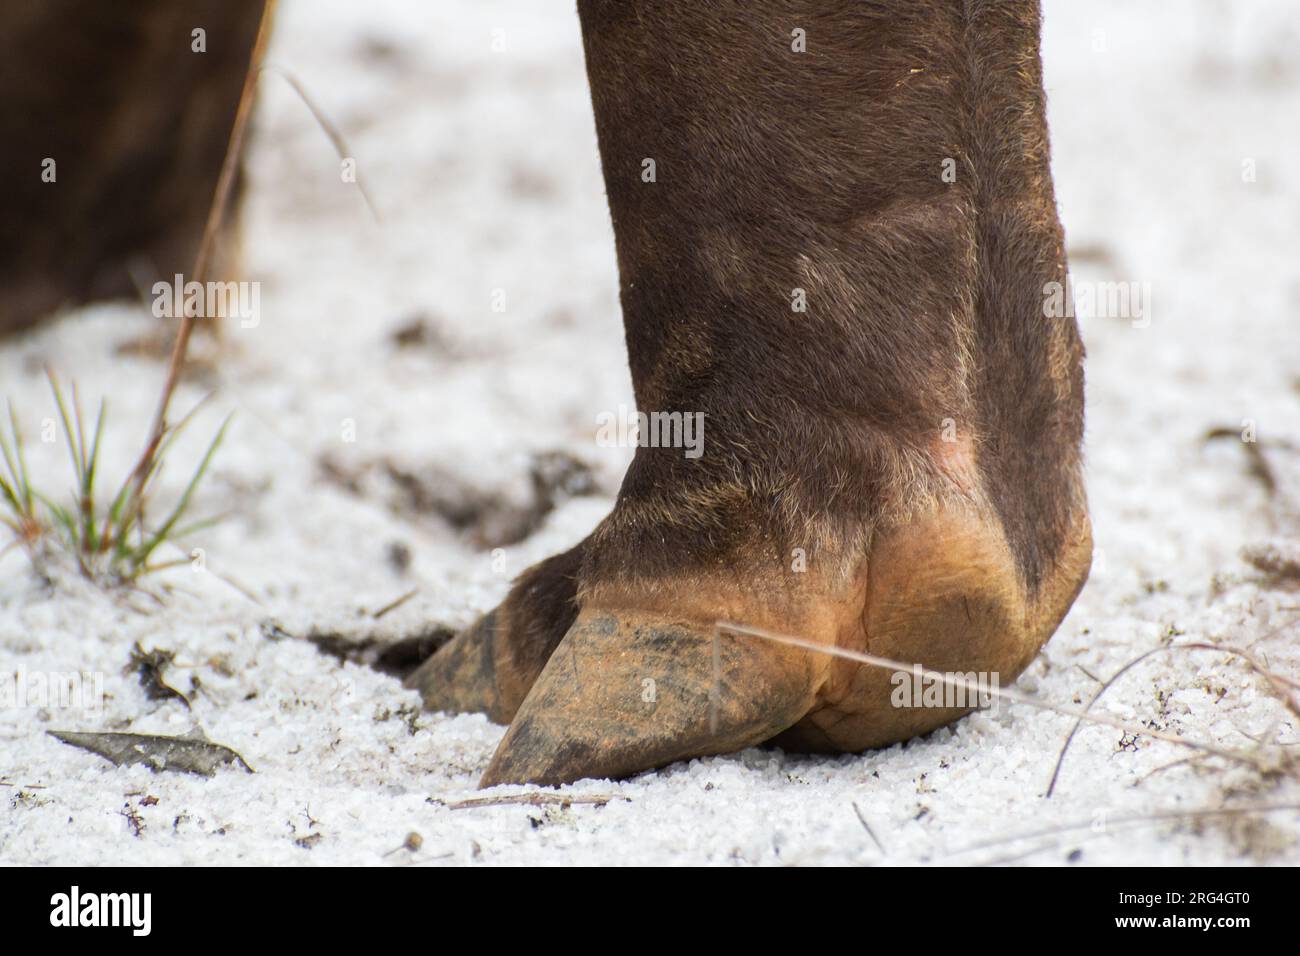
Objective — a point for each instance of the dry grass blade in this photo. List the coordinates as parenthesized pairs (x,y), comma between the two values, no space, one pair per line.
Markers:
(971,687)
(216,214)
(1277,681)
(534,800)
(394,604)
(1260,469)
(1281,684)
(1279,630)
(1128,821)
(145,467)
(1105,686)
(336,139)
(867,826)
(715,690)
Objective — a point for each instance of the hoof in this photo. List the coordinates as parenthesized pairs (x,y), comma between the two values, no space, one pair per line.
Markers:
(489,667)
(631,690)
(625,693)
(461,678)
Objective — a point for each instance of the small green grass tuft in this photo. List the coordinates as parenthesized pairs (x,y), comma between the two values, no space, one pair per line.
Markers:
(112,543)
(19,498)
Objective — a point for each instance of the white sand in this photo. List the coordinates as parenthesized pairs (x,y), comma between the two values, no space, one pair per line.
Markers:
(484,166)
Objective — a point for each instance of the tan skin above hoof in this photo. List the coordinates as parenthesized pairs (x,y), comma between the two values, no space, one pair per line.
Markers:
(942,593)
(633,688)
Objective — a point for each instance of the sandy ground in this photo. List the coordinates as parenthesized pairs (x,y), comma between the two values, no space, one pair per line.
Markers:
(347,448)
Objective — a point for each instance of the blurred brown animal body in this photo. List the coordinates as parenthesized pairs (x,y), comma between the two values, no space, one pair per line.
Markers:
(894,469)
(135,122)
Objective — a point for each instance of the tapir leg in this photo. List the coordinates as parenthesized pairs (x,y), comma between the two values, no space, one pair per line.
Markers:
(836,231)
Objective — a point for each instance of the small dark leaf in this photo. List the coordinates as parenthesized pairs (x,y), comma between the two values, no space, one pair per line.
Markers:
(149,666)
(192,753)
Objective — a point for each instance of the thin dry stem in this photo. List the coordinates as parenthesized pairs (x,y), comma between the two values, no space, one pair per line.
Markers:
(394,604)
(867,826)
(957,681)
(216,215)
(533,800)
(336,139)
(1128,821)
(1276,681)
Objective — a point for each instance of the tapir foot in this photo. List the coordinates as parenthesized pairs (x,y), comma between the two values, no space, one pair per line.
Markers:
(628,679)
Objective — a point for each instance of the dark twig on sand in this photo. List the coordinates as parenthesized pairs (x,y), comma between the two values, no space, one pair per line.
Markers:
(870,832)
(534,800)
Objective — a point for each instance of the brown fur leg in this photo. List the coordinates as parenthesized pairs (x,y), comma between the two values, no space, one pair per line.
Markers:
(893,467)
